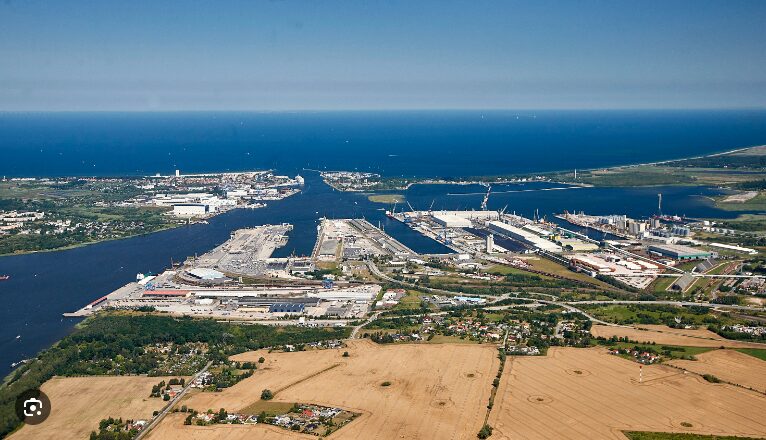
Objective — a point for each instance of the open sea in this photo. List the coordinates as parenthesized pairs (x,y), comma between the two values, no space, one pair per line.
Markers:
(434,144)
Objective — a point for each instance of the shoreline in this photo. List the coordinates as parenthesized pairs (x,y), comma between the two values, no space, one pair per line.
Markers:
(88,243)
(508,179)
(426,181)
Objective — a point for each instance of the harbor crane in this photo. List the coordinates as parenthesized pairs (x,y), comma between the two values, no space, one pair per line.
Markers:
(486,198)
(659,204)
(411,208)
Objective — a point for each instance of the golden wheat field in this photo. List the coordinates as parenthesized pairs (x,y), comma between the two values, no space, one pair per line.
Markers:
(729,365)
(437,391)
(589,394)
(79,403)
(670,336)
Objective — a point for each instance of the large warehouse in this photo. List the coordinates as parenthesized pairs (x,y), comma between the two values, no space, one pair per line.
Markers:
(462,219)
(190,209)
(524,236)
(451,220)
(679,252)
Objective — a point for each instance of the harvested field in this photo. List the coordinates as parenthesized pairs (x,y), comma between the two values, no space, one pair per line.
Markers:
(545,398)
(729,365)
(436,391)
(79,403)
(671,336)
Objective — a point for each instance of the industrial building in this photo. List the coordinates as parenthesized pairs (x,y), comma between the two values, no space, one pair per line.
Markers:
(679,252)
(205,274)
(462,219)
(596,265)
(524,236)
(190,209)
(575,245)
(293,308)
(451,220)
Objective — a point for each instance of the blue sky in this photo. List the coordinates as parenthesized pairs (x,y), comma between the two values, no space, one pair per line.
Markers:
(286,55)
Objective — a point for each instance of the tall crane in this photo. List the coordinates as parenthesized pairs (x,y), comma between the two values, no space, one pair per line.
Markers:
(486,198)
(659,204)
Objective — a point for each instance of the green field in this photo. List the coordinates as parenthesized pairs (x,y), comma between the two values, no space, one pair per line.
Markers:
(411,301)
(675,351)
(760,353)
(386,198)
(653,314)
(442,339)
(270,407)
(757,203)
(662,284)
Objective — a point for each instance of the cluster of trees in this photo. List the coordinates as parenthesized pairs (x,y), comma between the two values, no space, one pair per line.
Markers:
(113,429)
(95,346)
(723,161)
(726,299)
(379,337)
(730,334)
(230,376)
(159,389)
(617,283)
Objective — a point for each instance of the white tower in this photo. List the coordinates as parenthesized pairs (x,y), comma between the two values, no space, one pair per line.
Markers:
(659,204)
(490,243)
(178,173)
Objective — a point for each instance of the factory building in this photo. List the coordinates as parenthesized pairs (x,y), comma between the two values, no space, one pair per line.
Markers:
(451,220)
(205,274)
(190,209)
(636,228)
(590,263)
(679,252)
(537,230)
(575,245)
(524,236)
(287,308)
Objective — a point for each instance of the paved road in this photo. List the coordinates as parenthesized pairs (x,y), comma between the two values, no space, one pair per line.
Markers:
(155,421)
(673,303)
(359,327)
(375,271)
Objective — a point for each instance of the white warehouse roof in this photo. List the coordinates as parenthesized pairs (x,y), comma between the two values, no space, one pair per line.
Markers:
(206,274)
(525,236)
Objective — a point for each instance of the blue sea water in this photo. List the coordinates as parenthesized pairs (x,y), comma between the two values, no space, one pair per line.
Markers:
(446,143)
(45,285)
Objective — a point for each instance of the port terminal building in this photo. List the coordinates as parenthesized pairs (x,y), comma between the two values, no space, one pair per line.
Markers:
(679,252)
(524,236)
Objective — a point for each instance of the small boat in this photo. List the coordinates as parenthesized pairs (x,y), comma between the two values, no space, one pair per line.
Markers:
(18,336)
(5,277)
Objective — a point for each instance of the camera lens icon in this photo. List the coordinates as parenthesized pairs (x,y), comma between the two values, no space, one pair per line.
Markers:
(33,407)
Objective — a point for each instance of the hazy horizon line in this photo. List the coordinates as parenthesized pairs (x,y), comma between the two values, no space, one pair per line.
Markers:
(372,110)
